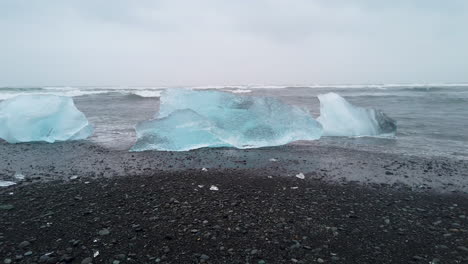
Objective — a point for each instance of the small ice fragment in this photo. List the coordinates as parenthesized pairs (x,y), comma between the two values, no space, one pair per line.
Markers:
(74,177)
(294,188)
(300,176)
(201,186)
(6,183)
(269,176)
(204,169)
(214,188)
(19,176)
(273,160)
(96,253)
(340,118)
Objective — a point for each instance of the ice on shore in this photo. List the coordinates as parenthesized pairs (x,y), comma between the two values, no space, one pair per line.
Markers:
(193,119)
(340,118)
(6,183)
(49,118)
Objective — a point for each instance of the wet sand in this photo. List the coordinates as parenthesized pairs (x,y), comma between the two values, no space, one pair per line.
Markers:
(81,203)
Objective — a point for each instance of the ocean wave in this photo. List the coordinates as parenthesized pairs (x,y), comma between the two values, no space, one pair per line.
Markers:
(9,92)
(239,91)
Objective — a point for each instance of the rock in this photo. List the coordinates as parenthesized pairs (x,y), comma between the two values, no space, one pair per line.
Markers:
(7,261)
(87,261)
(6,207)
(319,260)
(116,262)
(28,253)
(120,256)
(24,244)
(43,259)
(104,232)
(417,258)
(205,257)
(462,248)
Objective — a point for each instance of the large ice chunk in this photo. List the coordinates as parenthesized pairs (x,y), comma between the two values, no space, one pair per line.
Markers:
(192,119)
(340,118)
(49,118)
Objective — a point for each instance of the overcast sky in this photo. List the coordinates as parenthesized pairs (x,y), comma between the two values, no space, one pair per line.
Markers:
(207,42)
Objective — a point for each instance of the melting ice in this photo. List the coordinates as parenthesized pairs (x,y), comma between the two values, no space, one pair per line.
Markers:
(340,118)
(193,119)
(49,118)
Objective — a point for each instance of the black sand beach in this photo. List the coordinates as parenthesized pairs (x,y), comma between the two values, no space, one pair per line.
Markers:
(95,205)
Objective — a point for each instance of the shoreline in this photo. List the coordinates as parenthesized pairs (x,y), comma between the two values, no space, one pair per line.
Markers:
(61,161)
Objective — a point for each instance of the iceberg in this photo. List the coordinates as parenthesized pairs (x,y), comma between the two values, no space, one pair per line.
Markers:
(48,118)
(340,118)
(190,119)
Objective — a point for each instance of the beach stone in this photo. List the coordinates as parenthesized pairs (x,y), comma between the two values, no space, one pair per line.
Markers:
(24,244)
(6,207)
(462,248)
(7,261)
(87,260)
(104,232)
(43,259)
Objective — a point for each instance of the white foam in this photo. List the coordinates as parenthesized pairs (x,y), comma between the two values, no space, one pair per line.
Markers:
(240,91)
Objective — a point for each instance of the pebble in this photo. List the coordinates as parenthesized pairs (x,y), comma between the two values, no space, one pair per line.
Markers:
(87,261)
(462,248)
(6,207)
(104,232)
(205,257)
(29,253)
(24,244)
(43,258)
(7,261)
(319,260)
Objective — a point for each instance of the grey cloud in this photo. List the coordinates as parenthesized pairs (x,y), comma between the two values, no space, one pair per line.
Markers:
(217,42)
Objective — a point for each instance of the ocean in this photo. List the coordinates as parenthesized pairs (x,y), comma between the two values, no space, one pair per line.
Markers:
(432,119)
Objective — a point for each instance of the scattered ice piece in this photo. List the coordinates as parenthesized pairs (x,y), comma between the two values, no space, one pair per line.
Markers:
(6,183)
(204,169)
(340,118)
(300,176)
(201,186)
(86,182)
(74,177)
(11,193)
(195,119)
(19,176)
(214,188)
(269,176)
(48,118)
(96,253)
(273,160)
(294,188)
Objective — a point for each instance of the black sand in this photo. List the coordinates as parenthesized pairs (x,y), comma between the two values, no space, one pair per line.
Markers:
(352,206)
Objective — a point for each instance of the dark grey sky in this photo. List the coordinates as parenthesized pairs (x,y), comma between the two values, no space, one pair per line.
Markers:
(205,42)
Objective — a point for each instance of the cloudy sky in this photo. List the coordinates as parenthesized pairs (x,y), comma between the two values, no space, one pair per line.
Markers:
(207,42)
